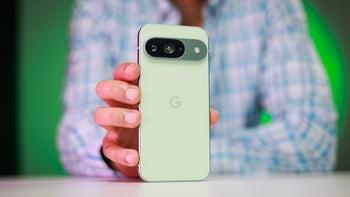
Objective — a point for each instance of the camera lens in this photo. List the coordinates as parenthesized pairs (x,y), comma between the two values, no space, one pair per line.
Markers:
(169,48)
(164,47)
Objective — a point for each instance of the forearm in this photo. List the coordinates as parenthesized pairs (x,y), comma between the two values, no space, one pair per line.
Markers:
(79,143)
(285,145)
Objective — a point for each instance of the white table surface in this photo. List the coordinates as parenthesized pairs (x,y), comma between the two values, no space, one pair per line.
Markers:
(331,185)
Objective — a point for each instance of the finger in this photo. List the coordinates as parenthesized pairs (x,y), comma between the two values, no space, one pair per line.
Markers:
(115,90)
(214,117)
(128,171)
(117,117)
(117,154)
(127,72)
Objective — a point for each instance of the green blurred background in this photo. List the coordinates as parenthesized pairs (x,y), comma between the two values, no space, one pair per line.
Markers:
(43,47)
(42,51)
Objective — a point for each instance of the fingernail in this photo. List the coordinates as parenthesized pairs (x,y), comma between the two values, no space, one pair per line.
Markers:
(130,118)
(129,69)
(130,94)
(129,158)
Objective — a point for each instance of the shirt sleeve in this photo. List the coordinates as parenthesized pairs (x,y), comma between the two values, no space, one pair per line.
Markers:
(79,139)
(295,91)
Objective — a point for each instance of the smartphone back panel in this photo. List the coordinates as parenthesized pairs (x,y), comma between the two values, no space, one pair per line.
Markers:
(174,134)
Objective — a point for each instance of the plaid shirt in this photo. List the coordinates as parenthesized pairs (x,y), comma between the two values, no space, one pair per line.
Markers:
(260,58)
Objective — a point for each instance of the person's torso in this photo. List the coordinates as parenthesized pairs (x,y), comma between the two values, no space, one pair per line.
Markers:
(236,36)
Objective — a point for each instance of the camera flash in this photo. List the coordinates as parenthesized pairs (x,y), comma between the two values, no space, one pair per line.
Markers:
(197,50)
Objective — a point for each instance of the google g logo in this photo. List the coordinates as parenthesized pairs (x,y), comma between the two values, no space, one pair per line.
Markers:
(175,102)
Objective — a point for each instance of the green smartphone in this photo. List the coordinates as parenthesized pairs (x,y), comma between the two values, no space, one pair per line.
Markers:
(174,142)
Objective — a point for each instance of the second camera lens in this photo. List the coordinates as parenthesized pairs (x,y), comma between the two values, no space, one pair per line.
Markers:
(169,48)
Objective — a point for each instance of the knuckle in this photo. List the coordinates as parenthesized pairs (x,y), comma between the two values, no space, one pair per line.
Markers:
(97,114)
(99,88)
(108,151)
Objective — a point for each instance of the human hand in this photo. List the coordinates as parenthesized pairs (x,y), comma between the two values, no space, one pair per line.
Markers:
(121,118)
